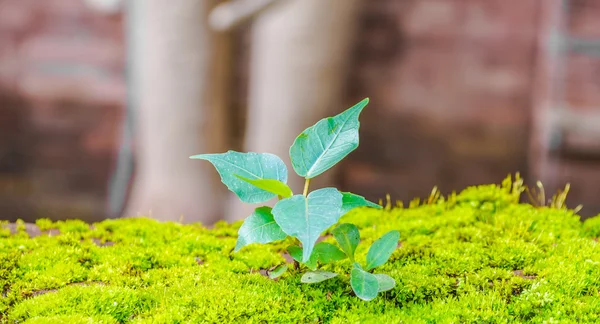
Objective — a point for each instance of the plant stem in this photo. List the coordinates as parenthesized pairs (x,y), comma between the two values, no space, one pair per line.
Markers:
(306,184)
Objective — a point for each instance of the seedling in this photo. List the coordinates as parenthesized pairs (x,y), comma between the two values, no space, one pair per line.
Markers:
(259,177)
(364,284)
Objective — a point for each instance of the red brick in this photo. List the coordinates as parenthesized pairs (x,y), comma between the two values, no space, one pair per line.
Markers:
(583,179)
(64,8)
(456,83)
(103,138)
(449,106)
(432,19)
(424,81)
(68,62)
(97,53)
(86,89)
(15,16)
(583,82)
(491,67)
(507,21)
(583,18)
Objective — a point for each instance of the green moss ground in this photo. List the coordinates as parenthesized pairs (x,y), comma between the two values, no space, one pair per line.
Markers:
(478,256)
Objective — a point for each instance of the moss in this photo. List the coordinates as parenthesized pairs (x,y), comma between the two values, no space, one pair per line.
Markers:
(591,227)
(476,256)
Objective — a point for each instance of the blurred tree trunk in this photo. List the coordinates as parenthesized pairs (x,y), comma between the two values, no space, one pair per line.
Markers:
(179,76)
(297,66)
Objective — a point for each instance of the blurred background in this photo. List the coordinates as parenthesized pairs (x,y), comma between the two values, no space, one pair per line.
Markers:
(103,101)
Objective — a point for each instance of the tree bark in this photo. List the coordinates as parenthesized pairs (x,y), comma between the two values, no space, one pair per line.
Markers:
(298,58)
(179,76)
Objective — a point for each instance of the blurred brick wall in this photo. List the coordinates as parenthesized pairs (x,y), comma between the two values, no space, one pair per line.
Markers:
(450,84)
(582,95)
(61,98)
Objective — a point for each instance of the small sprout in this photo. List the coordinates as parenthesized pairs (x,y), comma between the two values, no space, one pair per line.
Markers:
(259,177)
(537,197)
(434,196)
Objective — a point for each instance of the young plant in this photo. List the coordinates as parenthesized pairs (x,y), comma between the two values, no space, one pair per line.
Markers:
(259,177)
(365,285)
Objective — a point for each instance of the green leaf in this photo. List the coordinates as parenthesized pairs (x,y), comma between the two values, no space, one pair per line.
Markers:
(364,284)
(273,186)
(348,237)
(277,271)
(385,282)
(260,227)
(382,249)
(323,252)
(324,144)
(351,201)
(311,263)
(317,276)
(253,166)
(328,253)
(307,217)
(296,253)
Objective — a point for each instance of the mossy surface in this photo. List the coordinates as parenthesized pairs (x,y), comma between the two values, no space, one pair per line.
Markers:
(478,256)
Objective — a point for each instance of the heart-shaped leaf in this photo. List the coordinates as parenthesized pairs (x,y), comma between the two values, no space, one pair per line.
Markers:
(253,166)
(328,253)
(382,249)
(351,201)
(260,227)
(273,186)
(348,237)
(364,284)
(317,276)
(277,271)
(324,144)
(385,282)
(307,217)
